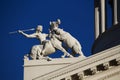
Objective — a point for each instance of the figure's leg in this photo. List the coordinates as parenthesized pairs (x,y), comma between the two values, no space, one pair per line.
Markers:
(64,51)
(33,56)
(33,53)
(44,48)
(77,50)
(39,51)
(39,55)
(43,53)
(73,52)
(81,53)
(48,58)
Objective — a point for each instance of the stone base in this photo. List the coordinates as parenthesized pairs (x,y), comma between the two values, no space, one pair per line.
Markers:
(36,68)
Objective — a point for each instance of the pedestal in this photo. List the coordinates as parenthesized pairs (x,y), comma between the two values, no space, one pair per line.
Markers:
(37,68)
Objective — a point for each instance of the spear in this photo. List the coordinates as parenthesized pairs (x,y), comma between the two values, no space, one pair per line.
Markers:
(22,30)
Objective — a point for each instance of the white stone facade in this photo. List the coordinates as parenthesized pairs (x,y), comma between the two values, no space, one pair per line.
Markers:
(101,66)
(35,68)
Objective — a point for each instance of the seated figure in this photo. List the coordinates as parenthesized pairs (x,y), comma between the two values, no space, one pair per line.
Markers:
(46,47)
(36,49)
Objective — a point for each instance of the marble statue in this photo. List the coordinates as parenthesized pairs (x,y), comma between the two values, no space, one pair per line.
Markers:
(36,49)
(66,37)
(53,44)
(46,47)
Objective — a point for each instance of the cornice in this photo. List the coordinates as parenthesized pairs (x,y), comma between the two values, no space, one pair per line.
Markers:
(80,66)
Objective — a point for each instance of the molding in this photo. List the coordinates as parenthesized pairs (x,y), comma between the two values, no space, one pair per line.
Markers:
(103,75)
(55,61)
(80,66)
(110,75)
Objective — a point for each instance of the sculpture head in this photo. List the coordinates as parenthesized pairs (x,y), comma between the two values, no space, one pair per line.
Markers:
(55,24)
(39,28)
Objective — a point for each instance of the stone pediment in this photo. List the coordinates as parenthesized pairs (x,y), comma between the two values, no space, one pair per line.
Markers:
(104,65)
(35,68)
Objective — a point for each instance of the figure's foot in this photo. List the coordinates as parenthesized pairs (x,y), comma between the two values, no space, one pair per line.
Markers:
(26,57)
(81,55)
(49,59)
(70,56)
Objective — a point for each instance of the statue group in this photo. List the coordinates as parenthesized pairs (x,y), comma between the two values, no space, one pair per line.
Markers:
(58,40)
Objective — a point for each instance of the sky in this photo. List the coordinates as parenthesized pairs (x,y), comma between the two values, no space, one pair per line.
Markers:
(77,18)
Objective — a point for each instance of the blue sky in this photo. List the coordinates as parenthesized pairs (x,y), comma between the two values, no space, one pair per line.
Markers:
(77,18)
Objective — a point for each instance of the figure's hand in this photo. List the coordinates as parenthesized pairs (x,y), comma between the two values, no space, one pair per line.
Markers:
(20,31)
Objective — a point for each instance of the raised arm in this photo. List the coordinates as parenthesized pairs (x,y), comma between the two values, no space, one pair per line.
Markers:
(27,35)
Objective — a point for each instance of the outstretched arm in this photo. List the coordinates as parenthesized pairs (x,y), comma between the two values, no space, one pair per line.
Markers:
(27,35)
